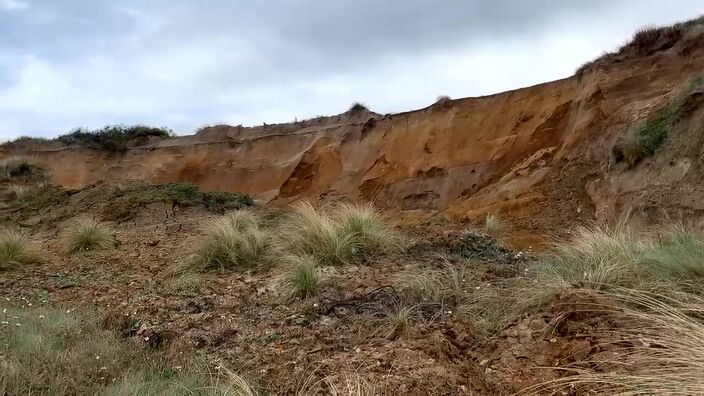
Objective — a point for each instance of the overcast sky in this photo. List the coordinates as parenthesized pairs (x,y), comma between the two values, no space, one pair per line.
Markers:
(185,64)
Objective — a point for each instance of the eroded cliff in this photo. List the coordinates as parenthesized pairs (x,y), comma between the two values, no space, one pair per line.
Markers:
(541,155)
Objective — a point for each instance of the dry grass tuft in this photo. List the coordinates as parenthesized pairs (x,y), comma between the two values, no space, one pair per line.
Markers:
(233,241)
(495,226)
(659,350)
(350,385)
(15,250)
(18,191)
(89,234)
(400,319)
(457,291)
(597,258)
(302,276)
(19,166)
(366,226)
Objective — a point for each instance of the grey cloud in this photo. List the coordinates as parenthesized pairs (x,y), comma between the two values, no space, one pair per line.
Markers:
(66,63)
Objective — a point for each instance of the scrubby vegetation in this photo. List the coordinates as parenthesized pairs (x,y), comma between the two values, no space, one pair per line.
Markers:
(646,137)
(357,107)
(113,138)
(651,39)
(49,352)
(89,234)
(133,196)
(15,250)
(455,290)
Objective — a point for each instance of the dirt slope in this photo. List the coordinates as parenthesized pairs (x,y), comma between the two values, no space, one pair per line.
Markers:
(543,149)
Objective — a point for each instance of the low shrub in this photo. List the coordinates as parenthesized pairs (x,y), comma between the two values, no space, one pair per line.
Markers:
(183,192)
(222,200)
(357,107)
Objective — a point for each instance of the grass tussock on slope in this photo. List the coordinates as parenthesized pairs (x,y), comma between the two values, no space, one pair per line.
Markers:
(49,352)
(89,234)
(15,250)
(672,260)
(340,235)
(233,241)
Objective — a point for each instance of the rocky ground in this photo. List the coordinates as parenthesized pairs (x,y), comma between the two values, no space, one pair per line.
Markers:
(245,322)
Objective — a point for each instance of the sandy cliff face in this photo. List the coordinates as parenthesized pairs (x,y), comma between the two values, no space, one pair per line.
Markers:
(540,154)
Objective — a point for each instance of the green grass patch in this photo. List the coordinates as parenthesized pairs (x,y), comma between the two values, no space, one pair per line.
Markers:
(645,138)
(50,352)
(672,261)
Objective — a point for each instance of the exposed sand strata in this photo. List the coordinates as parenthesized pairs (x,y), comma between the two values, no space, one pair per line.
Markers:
(511,152)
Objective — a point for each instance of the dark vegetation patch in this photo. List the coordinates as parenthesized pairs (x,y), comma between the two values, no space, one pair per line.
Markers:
(124,202)
(125,206)
(650,40)
(357,107)
(113,138)
(469,245)
(14,169)
(643,139)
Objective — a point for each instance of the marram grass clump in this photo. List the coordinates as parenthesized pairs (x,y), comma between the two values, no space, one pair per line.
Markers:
(600,258)
(15,250)
(339,235)
(495,226)
(233,241)
(302,276)
(89,234)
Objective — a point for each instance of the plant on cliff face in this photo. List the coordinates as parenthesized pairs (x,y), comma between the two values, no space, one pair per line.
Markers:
(645,138)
